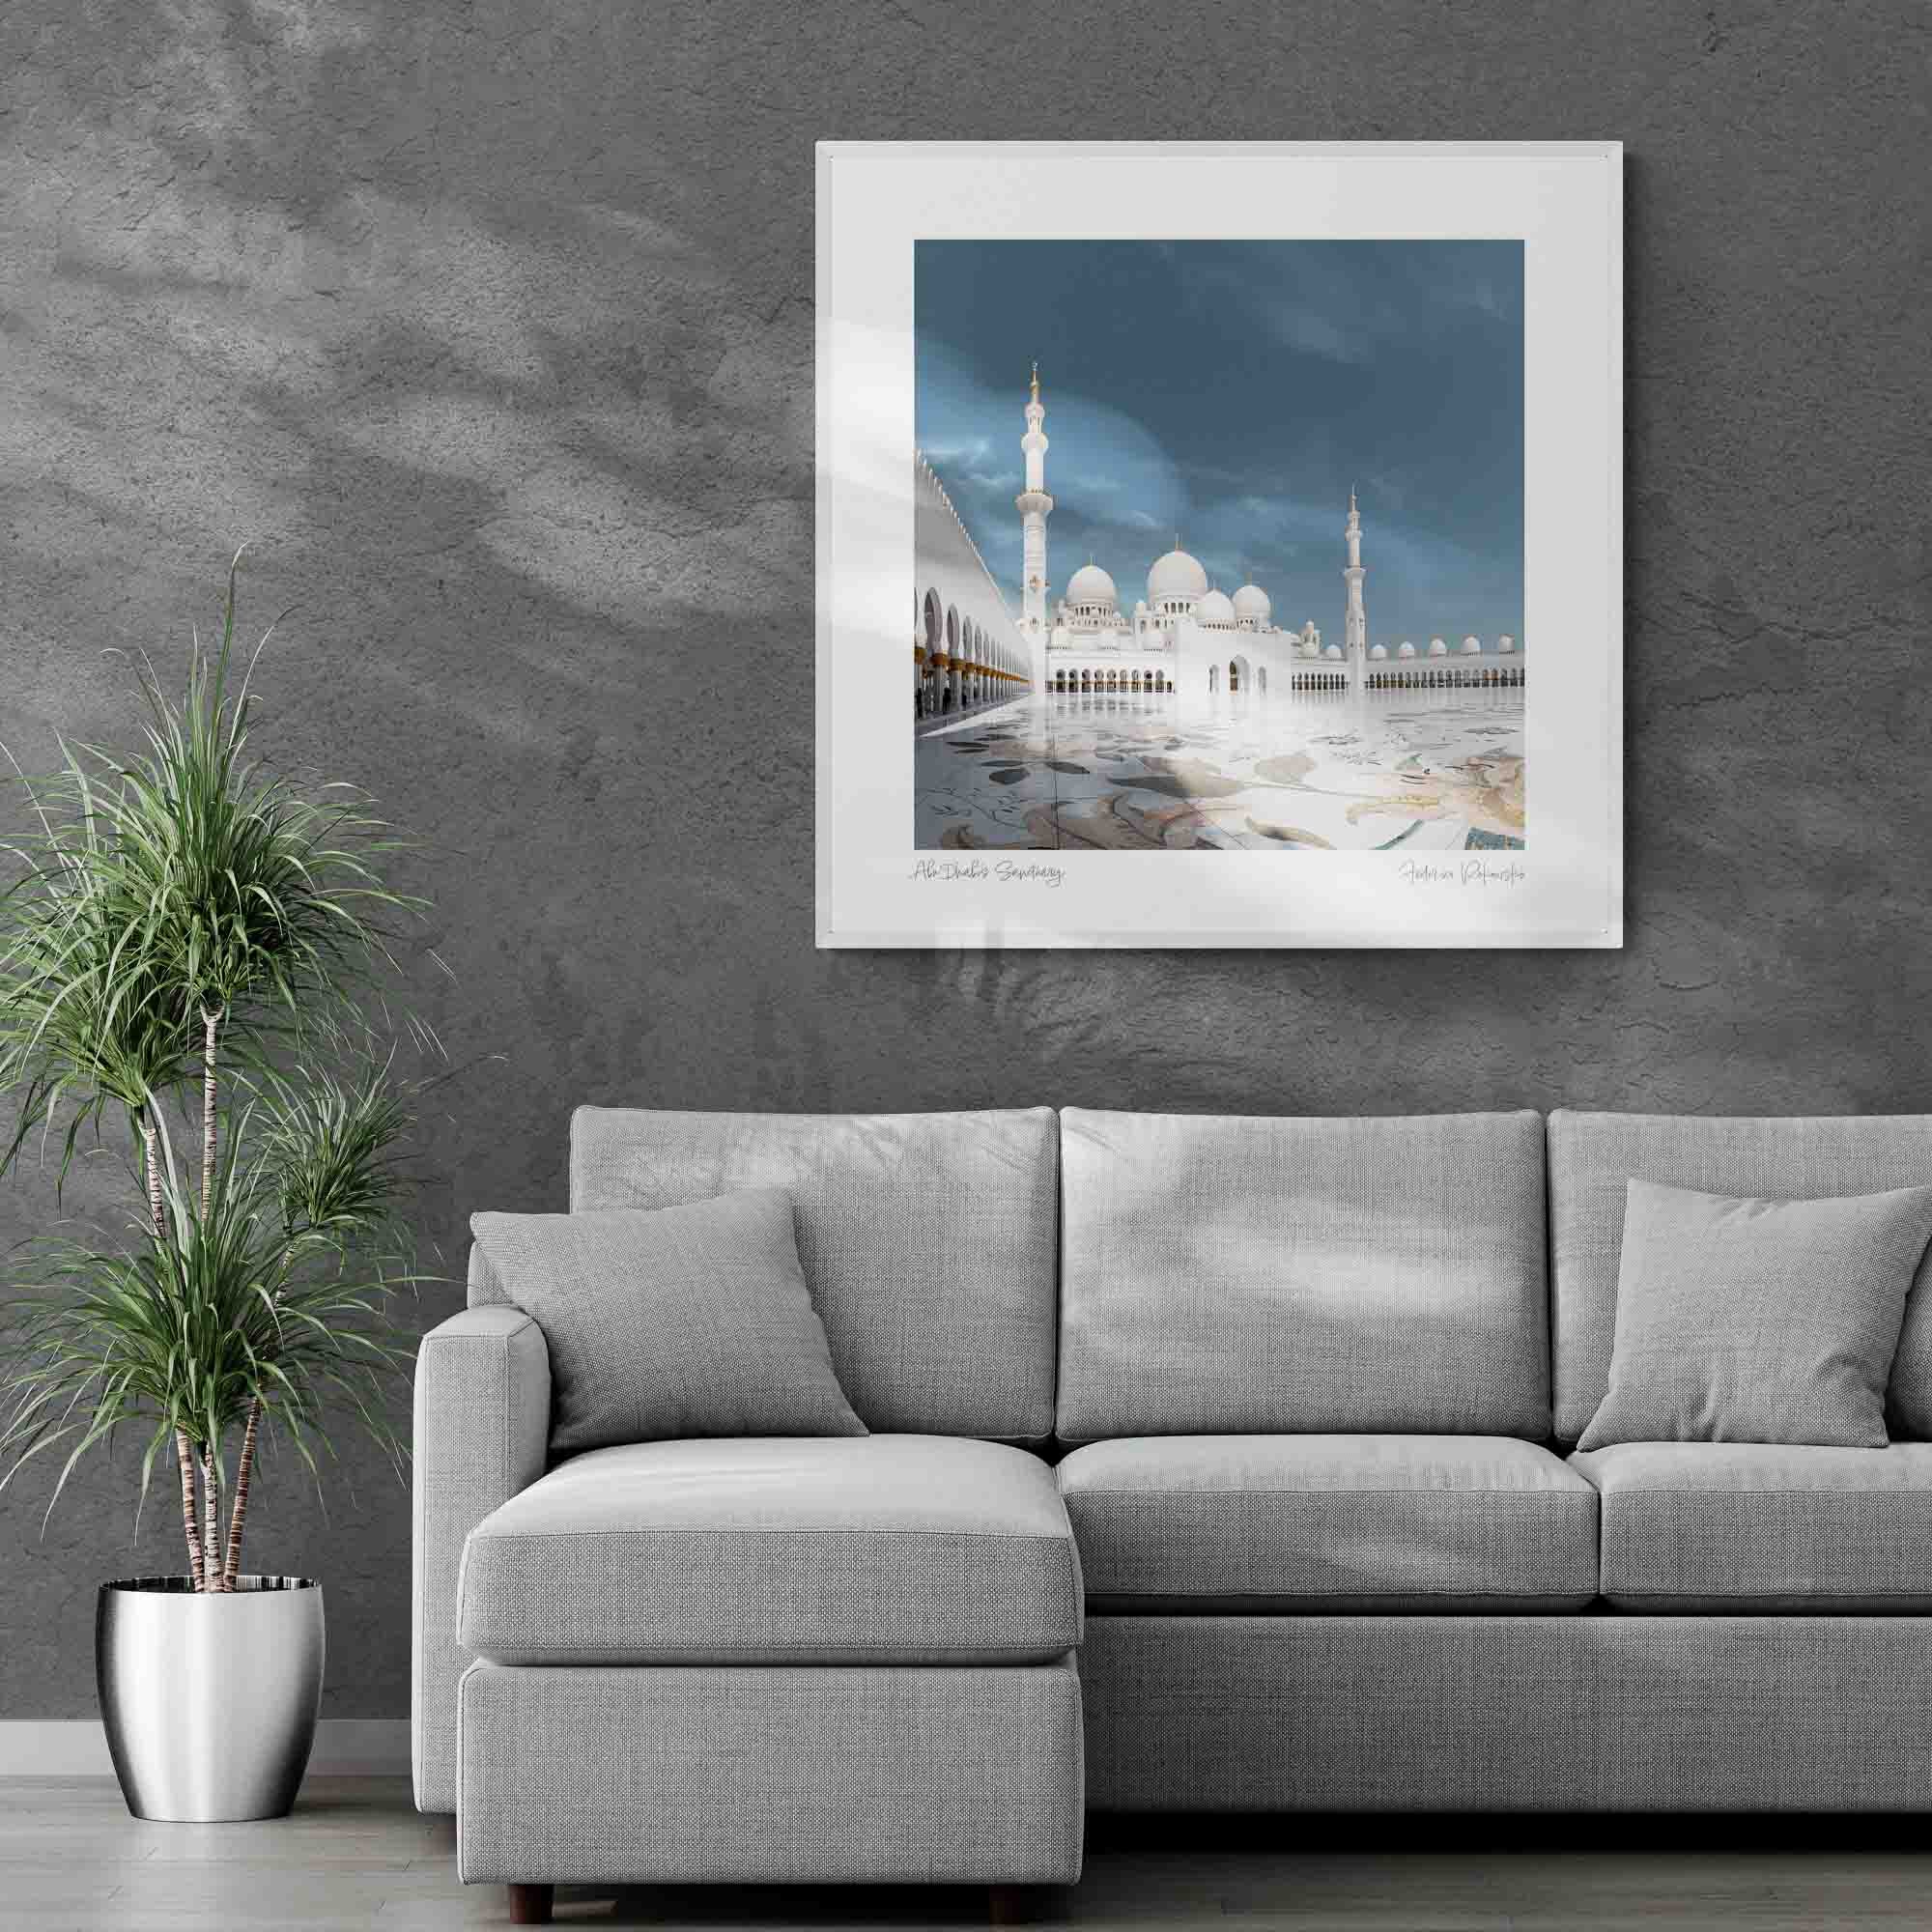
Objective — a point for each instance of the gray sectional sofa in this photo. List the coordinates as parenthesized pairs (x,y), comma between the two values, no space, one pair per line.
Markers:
(1216,1463)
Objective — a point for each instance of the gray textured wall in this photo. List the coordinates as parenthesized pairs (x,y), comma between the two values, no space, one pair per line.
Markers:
(491,325)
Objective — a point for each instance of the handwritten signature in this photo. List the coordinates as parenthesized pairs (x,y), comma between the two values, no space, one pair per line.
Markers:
(1464,873)
(1007,871)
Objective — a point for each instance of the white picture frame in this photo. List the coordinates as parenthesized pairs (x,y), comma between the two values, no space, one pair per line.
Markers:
(875,888)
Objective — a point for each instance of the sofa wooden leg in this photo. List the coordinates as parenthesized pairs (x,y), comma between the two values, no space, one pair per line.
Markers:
(530,1904)
(1019,1904)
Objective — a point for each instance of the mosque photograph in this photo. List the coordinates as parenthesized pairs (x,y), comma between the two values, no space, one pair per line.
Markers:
(1219,547)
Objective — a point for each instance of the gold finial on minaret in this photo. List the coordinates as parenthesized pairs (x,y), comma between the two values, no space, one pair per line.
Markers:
(1036,381)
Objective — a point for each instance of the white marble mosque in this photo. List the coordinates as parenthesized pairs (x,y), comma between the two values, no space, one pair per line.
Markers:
(1194,722)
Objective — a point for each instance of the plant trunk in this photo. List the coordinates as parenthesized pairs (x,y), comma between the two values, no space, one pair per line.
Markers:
(151,1152)
(237,1513)
(210,1023)
(151,1158)
(184,1459)
(213,1559)
(213,1563)
(246,1467)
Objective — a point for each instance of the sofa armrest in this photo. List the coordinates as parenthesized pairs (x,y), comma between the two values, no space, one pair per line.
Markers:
(482,1433)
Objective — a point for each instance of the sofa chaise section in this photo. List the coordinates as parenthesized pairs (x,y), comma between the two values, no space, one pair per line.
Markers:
(840,1658)
(784,1660)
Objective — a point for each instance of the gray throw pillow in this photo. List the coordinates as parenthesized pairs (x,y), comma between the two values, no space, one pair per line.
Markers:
(671,1321)
(1742,1320)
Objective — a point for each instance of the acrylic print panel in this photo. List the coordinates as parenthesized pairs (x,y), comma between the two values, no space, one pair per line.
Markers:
(1180,508)
(1219,545)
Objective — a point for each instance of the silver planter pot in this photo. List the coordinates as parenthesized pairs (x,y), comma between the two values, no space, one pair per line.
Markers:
(210,1700)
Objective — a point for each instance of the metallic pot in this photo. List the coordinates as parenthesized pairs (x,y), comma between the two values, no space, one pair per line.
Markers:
(210,1700)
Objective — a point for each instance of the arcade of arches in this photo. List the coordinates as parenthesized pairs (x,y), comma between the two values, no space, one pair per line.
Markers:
(957,665)
(1454,678)
(1116,681)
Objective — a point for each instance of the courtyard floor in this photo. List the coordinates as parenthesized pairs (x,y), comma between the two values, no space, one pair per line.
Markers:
(1418,771)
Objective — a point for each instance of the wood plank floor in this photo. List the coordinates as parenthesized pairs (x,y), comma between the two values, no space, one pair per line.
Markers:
(356,1855)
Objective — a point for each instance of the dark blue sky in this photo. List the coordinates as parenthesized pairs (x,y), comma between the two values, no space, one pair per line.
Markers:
(1234,391)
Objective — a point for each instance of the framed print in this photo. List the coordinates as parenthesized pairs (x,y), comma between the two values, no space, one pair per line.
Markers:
(1219,545)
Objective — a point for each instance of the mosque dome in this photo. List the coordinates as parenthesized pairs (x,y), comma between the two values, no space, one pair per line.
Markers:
(1333,651)
(1176,578)
(1506,645)
(1213,609)
(1408,650)
(1472,647)
(1090,584)
(1437,649)
(1379,652)
(1251,604)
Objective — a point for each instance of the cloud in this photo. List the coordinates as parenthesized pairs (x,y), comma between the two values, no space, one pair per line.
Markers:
(1351,305)
(1232,392)
(961,457)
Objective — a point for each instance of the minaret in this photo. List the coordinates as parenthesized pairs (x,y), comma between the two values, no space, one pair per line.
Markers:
(1035,506)
(1355,636)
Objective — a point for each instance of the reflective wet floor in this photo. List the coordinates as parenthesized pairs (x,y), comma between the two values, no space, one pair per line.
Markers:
(1433,771)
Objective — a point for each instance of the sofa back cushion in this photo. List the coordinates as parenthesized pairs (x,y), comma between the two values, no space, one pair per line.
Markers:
(926,1239)
(1236,1275)
(1593,1157)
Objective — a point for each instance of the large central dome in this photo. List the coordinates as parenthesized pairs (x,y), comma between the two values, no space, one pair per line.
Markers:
(1176,578)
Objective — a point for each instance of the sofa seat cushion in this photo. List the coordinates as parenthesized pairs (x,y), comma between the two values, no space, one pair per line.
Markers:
(1254,1523)
(796,1549)
(1739,1526)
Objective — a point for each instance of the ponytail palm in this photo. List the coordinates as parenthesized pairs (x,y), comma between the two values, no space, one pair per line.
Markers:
(186,938)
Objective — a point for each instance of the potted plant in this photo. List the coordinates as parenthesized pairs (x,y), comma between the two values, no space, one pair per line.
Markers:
(187,948)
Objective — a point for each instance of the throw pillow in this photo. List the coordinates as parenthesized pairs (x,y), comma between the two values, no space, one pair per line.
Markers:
(1741,1321)
(671,1321)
